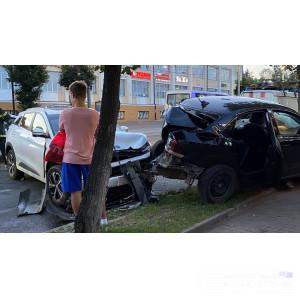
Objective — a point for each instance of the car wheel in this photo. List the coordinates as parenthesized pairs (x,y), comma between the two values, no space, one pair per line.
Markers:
(217,184)
(157,148)
(13,172)
(54,189)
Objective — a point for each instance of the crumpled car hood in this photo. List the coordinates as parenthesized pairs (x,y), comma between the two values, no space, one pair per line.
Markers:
(129,140)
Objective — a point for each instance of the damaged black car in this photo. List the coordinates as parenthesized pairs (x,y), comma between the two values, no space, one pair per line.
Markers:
(224,141)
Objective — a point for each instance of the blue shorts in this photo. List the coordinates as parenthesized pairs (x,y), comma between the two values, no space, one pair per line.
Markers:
(74,177)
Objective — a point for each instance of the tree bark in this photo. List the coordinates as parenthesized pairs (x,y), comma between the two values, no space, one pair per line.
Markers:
(298,85)
(96,189)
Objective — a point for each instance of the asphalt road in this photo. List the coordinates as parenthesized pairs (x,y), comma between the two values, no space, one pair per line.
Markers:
(10,191)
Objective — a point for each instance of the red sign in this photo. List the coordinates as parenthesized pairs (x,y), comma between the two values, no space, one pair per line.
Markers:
(141,75)
(162,76)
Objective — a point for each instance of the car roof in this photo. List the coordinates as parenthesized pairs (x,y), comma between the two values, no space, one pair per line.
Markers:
(227,106)
(49,111)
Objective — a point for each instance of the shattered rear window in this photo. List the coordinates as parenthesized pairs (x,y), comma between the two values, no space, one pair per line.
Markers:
(200,118)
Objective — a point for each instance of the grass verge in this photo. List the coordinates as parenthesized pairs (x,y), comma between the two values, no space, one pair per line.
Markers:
(173,213)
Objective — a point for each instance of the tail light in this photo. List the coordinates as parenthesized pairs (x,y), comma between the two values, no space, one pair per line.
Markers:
(172,146)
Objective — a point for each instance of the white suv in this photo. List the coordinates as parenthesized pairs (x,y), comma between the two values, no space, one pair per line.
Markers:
(28,139)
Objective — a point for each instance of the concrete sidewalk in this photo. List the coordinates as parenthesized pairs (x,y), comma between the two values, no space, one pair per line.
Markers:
(277,212)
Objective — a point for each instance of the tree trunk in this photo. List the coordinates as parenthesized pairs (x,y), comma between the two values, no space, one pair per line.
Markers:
(96,189)
(298,86)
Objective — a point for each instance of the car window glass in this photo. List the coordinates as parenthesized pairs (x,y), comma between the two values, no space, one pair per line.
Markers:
(287,124)
(237,124)
(39,122)
(26,121)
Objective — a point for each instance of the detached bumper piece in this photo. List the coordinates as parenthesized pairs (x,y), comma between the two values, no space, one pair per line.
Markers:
(29,205)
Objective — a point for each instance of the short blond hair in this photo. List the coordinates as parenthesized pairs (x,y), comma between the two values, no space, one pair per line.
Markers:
(78,89)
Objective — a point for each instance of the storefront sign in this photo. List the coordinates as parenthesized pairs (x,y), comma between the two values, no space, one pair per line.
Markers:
(141,75)
(162,76)
(182,79)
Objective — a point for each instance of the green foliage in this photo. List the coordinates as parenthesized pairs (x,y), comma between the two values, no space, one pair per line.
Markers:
(71,73)
(125,70)
(248,81)
(29,81)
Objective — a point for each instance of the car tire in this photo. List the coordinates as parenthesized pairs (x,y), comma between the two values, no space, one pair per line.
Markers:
(217,184)
(13,172)
(53,184)
(157,148)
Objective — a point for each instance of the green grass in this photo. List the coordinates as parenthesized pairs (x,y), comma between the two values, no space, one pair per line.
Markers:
(173,213)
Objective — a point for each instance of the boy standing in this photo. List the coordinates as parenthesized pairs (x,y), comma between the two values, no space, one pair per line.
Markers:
(80,124)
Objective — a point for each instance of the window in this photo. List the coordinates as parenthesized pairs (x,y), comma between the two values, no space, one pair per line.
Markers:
(180,69)
(161,69)
(52,85)
(225,75)
(181,87)
(143,115)
(212,73)
(4,83)
(198,70)
(212,90)
(39,122)
(121,115)
(145,68)
(197,88)
(54,122)
(26,121)
(140,88)
(160,90)
(122,87)
(287,124)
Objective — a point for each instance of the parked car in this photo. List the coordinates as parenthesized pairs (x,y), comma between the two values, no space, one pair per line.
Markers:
(223,141)
(26,148)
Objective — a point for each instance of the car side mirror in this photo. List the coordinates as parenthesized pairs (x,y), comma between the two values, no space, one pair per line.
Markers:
(39,132)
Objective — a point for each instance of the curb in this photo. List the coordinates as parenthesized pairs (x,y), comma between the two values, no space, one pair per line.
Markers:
(69,228)
(206,224)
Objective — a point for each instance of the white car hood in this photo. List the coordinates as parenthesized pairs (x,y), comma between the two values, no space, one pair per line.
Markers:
(129,140)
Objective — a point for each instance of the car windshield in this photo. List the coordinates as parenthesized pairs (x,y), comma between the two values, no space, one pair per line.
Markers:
(54,122)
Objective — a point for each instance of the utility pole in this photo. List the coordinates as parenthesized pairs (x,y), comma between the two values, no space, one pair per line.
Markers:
(207,78)
(89,96)
(154,96)
(238,81)
(13,97)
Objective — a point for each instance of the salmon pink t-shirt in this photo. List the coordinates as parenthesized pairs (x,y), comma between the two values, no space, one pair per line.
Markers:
(80,124)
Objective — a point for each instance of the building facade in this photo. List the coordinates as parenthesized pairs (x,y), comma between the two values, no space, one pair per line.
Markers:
(142,94)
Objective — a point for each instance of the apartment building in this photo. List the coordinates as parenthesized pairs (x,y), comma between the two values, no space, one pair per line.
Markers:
(142,94)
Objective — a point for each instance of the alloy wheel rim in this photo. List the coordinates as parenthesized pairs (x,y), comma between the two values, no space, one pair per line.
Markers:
(11,164)
(55,186)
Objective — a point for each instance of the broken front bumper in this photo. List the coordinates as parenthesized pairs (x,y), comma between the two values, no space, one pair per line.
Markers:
(117,178)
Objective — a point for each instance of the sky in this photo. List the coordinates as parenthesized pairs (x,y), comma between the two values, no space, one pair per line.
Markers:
(255,69)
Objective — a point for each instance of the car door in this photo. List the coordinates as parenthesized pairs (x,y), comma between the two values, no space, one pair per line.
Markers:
(37,147)
(22,151)
(287,130)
